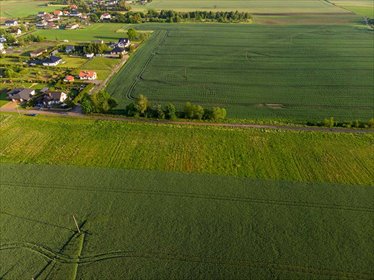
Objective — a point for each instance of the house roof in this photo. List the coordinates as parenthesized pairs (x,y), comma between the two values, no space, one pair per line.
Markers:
(21,93)
(69,78)
(55,95)
(118,50)
(10,21)
(52,59)
(86,73)
(70,47)
(123,40)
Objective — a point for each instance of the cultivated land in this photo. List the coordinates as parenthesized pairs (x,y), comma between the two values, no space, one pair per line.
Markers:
(360,7)
(147,225)
(257,154)
(297,73)
(252,6)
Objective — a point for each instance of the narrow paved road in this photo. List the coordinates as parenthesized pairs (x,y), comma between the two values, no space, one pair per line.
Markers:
(76,113)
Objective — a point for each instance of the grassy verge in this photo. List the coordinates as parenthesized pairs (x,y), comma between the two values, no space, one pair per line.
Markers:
(258,154)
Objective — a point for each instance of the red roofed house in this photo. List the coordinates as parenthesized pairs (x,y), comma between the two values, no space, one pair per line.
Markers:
(58,13)
(73,7)
(87,75)
(69,79)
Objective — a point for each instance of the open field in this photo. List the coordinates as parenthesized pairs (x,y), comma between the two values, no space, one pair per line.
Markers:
(72,61)
(257,154)
(103,66)
(23,8)
(360,7)
(252,6)
(97,31)
(147,224)
(297,73)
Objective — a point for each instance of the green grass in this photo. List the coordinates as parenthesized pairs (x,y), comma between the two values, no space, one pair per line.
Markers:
(72,62)
(103,66)
(257,154)
(3,98)
(253,6)
(23,8)
(97,31)
(148,225)
(299,73)
(360,7)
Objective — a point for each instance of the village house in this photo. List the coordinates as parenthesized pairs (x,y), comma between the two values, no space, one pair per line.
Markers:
(87,75)
(41,14)
(2,49)
(21,94)
(57,13)
(123,43)
(105,16)
(72,26)
(75,14)
(52,25)
(117,52)
(54,98)
(2,39)
(89,55)
(69,49)
(11,23)
(16,32)
(69,79)
(41,24)
(37,53)
(52,61)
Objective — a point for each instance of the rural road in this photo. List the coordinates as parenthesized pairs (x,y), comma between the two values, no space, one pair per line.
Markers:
(8,108)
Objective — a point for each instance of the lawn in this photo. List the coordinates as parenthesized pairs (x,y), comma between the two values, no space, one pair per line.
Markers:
(22,8)
(298,73)
(257,154)
(157,225)
(97,31)
(253,6)
(3,98)
(103,66)
(72,61)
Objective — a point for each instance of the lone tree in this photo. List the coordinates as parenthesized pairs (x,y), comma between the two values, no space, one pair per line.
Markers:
(141,104)
(132,34)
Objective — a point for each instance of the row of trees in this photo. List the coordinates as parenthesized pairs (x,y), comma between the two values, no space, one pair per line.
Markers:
(331,122)
(143,108)
(174,16)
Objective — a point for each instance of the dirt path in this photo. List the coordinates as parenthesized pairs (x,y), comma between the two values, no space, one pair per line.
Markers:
(77,114)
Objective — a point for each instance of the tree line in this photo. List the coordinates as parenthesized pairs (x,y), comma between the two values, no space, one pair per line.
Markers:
(141,107)
(170,16)
(331,122)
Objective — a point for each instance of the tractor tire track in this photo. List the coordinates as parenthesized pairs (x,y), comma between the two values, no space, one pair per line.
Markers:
(287,203)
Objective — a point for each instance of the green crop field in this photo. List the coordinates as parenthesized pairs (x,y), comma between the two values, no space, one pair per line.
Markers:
(156,225)
(23,8)
(298,73)
(257,154)
(360,7)
(252,6)
(98,31)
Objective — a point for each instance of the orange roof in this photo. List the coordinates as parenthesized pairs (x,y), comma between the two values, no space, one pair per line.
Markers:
(88,74)
(57,12)
(69,78)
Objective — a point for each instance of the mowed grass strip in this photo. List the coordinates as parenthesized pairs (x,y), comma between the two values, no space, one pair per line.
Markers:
(103,66)
(150,224)
(296,73)
(98,31)
(260,154)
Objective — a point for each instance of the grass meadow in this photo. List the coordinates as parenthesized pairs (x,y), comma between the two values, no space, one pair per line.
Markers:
(360,7)
(149,224)
(23,8)
(252,153)
(103,66)
(298,73)
(97,31)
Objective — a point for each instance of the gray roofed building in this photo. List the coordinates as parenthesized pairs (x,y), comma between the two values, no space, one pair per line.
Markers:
(21,94)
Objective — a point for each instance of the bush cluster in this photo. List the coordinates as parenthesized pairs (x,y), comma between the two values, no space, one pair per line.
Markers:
(142,108)
(100,102)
